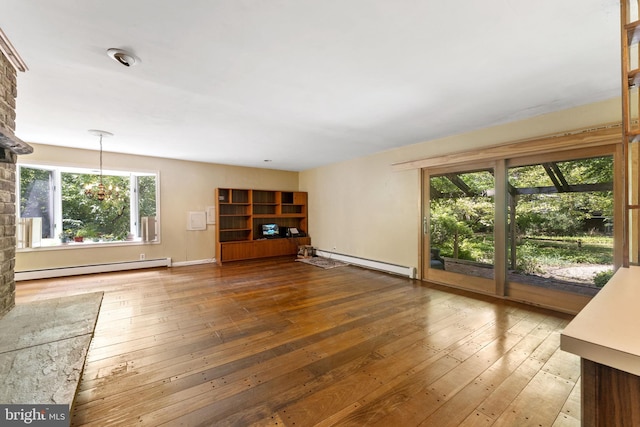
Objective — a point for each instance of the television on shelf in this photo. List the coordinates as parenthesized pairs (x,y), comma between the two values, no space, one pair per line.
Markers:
(270,230)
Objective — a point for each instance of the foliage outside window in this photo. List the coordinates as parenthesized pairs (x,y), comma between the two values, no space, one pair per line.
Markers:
(462,219)
(57,196)
(562,229)
(560,223)
(90,218)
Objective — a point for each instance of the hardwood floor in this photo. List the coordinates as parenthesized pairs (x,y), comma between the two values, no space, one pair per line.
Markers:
(280,343)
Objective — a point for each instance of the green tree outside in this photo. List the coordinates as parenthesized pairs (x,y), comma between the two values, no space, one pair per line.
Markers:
(551,228)
(108,219)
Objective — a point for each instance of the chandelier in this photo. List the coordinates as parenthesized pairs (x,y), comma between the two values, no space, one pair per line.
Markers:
(99,191)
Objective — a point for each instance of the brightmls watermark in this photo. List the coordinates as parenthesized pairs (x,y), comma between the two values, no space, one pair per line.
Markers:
(34,415)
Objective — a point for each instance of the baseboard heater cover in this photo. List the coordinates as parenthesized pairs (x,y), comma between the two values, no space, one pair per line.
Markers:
(409,272)
(195,262)
(90,269)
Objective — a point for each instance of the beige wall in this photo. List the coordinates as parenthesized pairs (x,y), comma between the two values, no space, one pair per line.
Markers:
(184,186)
(364,208)
(359,207)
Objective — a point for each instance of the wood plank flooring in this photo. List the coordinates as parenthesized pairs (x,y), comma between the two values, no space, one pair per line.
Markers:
(281,343)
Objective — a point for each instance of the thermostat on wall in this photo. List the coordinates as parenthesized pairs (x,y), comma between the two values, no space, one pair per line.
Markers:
(197,221)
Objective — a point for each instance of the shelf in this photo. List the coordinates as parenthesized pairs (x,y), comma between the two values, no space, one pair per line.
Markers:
(287,198)
(633,78)
(633,135)
(630,47)
(264,210)
(233,196)
(241,215)
(265,197)
(231,209)
(633,32)
(293,209)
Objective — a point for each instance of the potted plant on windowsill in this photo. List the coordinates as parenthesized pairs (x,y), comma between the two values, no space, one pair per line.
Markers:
(70,229)
(88,232)
(66,236)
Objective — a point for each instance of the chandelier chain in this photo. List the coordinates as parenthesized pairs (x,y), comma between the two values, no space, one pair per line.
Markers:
(101,159)
(100,193)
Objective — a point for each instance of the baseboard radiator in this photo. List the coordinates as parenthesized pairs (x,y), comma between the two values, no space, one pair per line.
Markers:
(90,269)
(409,272)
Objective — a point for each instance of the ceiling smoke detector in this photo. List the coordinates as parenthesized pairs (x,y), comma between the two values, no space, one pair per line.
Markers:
(125,58)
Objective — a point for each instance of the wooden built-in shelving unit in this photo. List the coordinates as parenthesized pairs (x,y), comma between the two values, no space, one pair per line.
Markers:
(241,214)
(630,35)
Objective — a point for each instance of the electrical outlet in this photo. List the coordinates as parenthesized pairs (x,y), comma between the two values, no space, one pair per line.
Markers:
(142,257)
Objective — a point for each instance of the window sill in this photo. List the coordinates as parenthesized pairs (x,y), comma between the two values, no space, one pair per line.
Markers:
(54,244)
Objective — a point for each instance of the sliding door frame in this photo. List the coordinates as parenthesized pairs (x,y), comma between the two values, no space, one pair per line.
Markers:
(474,283)
(585,144)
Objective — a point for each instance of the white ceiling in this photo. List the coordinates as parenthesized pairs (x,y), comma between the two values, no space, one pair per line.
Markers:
(303,83)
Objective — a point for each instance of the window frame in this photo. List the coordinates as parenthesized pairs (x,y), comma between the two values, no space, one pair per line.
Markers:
(56,196)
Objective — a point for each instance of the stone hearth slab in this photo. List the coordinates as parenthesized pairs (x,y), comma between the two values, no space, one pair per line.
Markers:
(46,373)
(40,322)
(43,348)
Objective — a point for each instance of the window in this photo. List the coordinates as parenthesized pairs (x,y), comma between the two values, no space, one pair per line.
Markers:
(462,221)
(65,202)
(538,228)
(561,223)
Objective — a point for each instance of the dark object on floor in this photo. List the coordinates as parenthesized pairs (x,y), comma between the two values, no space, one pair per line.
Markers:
(322,262)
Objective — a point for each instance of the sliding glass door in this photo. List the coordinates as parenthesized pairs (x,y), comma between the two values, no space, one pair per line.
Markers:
(539,228)
(460,216)
(561,223)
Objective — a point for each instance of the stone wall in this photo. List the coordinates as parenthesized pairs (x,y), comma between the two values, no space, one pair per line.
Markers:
(8,93)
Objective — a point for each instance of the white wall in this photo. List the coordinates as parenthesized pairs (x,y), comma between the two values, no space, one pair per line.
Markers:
(184,186)
(363,208)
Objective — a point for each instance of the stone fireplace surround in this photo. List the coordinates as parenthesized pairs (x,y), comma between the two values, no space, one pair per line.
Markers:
(10,148)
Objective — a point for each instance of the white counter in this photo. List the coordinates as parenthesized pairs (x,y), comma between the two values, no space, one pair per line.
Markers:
(607,330)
